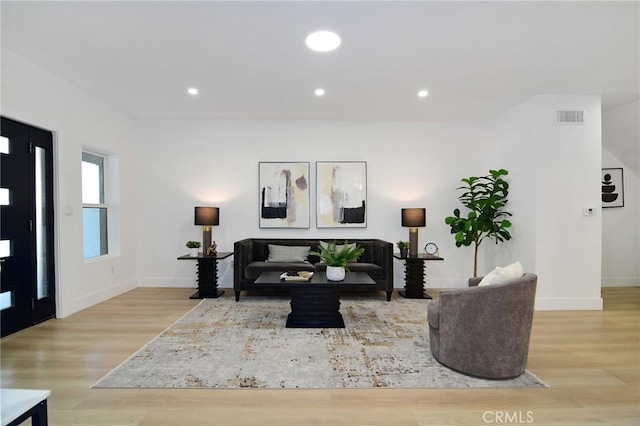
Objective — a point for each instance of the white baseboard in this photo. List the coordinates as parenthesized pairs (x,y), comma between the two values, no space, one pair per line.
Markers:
(85,302)
(620,282)
(566,304)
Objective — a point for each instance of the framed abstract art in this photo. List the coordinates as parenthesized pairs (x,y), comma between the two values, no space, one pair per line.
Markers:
(341,194)
(284,194)
(612,187)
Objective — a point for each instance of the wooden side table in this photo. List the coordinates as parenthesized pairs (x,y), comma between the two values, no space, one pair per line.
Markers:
(207,274)
(414,275)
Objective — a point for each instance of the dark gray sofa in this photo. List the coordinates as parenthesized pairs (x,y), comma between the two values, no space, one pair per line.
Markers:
(484,331)
(250,257)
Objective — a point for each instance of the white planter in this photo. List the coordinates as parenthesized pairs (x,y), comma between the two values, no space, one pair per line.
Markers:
(193,252)
(335,273)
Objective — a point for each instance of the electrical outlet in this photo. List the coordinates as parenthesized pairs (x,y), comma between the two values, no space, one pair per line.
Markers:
(113,269)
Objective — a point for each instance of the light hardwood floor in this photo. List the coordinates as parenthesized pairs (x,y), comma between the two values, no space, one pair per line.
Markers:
(591,360)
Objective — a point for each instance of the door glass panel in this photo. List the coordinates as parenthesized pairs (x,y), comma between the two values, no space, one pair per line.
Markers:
(5,248)
(5,198)
(42,279)
(4,145)
(6,300)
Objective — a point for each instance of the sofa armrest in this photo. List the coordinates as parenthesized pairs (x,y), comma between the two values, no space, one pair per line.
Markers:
(383,256)
(242,256)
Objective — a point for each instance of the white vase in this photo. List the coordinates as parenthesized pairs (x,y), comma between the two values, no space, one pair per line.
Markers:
(193,252)
(335,273)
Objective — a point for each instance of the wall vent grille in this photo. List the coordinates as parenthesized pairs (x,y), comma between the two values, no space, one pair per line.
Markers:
(569,117)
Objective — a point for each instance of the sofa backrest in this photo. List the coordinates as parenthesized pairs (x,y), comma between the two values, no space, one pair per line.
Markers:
(261,247)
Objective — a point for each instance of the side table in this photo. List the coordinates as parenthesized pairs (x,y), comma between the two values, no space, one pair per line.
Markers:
(17,405)
(414,275)
(207,274)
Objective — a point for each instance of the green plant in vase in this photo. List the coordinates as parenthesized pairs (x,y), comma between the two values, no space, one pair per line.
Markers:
(403,246)
(337,258)
(193,247)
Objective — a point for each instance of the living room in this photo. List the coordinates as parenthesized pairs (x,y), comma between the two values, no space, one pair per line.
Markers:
(162,166)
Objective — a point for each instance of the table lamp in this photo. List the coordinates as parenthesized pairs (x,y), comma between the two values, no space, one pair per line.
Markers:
(207,217)
(413,219)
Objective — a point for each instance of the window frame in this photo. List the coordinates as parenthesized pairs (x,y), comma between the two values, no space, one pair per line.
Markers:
(103,205)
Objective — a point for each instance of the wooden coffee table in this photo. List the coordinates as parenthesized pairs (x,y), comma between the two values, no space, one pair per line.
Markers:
(316,303)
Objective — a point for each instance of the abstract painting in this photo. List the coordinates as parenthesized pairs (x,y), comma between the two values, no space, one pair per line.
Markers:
(612,188)
(341,194)
(284,194)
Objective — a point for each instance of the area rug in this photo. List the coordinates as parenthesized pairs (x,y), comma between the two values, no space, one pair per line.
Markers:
(225,344)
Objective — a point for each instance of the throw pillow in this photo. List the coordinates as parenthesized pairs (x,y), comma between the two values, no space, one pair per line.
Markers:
(500,275)
(339,247)
(288,253)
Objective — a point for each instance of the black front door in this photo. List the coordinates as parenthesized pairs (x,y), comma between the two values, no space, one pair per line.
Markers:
(27,285)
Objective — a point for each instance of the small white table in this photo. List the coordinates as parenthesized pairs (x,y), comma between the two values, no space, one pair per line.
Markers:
(19,404)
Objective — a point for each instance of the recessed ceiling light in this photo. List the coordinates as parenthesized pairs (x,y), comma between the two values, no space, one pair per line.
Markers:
(323,41)
(423,93)
(319,92)
(192,91)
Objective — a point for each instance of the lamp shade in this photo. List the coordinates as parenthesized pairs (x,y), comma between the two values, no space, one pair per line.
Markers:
(413,218)
(207,216)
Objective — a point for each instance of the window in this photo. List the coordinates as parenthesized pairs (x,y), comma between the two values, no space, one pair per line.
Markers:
(94,206)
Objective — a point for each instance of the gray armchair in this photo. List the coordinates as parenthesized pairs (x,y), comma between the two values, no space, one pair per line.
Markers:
(484,331)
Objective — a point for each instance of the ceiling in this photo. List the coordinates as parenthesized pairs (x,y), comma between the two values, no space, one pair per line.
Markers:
(249,60)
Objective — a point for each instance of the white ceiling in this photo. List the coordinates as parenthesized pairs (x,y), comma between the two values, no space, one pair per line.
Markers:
(249,59)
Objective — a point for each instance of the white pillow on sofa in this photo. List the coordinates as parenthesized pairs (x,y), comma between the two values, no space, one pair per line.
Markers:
(288,253)
(339,247)
(500,275)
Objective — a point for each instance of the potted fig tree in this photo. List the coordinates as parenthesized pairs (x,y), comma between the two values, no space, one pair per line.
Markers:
(485,197)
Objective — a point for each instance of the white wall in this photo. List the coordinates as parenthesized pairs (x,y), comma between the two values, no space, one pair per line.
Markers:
(561,169)
(621,226)
(184,163)
(216,163)
(34,96)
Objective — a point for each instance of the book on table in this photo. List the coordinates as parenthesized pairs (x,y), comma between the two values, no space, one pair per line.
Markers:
(296,276)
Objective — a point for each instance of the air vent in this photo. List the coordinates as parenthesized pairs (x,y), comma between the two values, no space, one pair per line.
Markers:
(569,117)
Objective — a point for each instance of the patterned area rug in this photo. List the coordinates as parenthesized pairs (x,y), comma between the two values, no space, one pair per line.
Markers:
(226,344)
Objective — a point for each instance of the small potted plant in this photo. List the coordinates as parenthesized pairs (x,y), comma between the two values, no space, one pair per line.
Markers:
(404,248)
(193,247)
(337,259)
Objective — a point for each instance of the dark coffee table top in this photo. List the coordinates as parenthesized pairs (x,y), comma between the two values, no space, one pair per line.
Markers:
(272,279)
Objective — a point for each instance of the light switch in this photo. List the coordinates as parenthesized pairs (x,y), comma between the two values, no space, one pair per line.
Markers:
(588,211)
